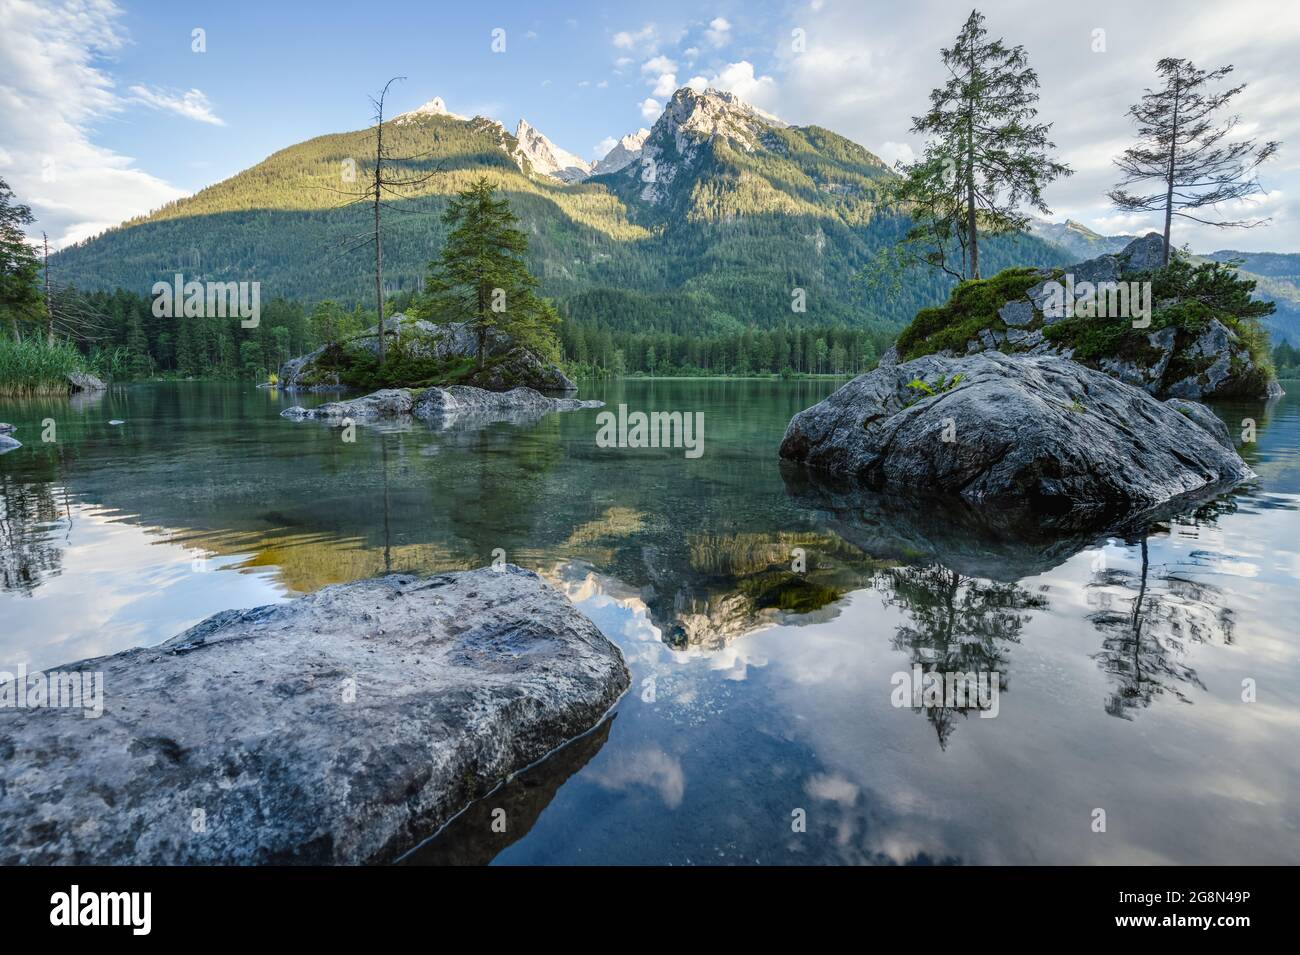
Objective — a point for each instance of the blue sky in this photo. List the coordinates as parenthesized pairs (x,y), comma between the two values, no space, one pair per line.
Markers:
(106,111)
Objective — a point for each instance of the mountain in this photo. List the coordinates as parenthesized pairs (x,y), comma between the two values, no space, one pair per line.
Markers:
(729,219)
(435,107)
(1077,239)
(626,150)
(548,158)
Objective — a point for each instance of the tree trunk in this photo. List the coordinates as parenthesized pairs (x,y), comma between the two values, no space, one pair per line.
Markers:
(1169,179)
(49,302)
(971,227)
(379,242)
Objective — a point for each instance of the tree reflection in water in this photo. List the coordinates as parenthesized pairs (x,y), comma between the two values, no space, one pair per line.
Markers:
(30,516)
(959,624)
(1149,619)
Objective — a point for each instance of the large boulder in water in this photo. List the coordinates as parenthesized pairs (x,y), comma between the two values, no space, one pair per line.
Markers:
(506,364)
(343,727)
(1040,437)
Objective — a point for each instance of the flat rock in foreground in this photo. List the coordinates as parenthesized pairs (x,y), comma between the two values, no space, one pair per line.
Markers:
(343,727)
(1042,437)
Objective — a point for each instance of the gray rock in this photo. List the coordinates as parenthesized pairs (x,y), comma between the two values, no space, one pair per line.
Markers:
(7,428)
(890,357)
(1203,416)
(344,727)
(1104,268)
(1144,254)
(1043,437)
(1219,346)
(84,381)
(440,405)
(386,403)
(1017,313)
(8,444)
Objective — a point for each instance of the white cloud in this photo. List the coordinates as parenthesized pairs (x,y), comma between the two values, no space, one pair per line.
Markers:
(650,109)
(698,83)
(892,152)
(192,104)
(719,32)
(739,78)
(659,64)
(627,40)
(52,88)
(602,148)
(666,85)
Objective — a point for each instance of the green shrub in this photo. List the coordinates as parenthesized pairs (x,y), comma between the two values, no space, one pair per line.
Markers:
(972,307)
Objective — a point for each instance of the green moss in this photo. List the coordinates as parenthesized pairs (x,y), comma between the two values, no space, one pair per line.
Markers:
(972,308)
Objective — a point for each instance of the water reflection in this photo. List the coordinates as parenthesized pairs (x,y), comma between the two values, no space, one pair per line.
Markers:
(34,523)
(761,613)
(957,625)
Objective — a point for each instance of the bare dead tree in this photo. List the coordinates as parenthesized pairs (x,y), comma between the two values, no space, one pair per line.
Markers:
(1181,146)
(388,178)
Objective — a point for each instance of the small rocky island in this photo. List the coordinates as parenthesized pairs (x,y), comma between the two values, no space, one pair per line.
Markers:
(447,353)
(342,727)
(1001,403)
(1198,338)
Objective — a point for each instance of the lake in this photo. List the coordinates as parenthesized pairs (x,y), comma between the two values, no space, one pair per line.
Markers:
(766,623)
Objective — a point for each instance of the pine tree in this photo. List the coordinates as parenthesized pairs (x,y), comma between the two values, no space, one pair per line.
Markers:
(20,291)
(480,277)
(138,346)
(987,159)
(1181,146)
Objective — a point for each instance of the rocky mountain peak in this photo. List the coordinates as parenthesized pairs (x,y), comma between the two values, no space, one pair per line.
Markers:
(625,152)
(547,158)
(435,107)
(712,113)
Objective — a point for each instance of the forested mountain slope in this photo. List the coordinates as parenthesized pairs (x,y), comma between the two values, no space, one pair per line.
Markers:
(737,211)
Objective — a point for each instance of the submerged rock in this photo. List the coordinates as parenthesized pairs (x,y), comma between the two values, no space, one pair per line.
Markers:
(9,444)
(1033,436)
(440,405)
(343,727)
(7,428)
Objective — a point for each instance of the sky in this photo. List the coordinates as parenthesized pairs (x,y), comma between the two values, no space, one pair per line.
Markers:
(108,109)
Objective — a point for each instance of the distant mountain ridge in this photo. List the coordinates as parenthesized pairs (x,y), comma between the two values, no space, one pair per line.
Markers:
(708,222)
